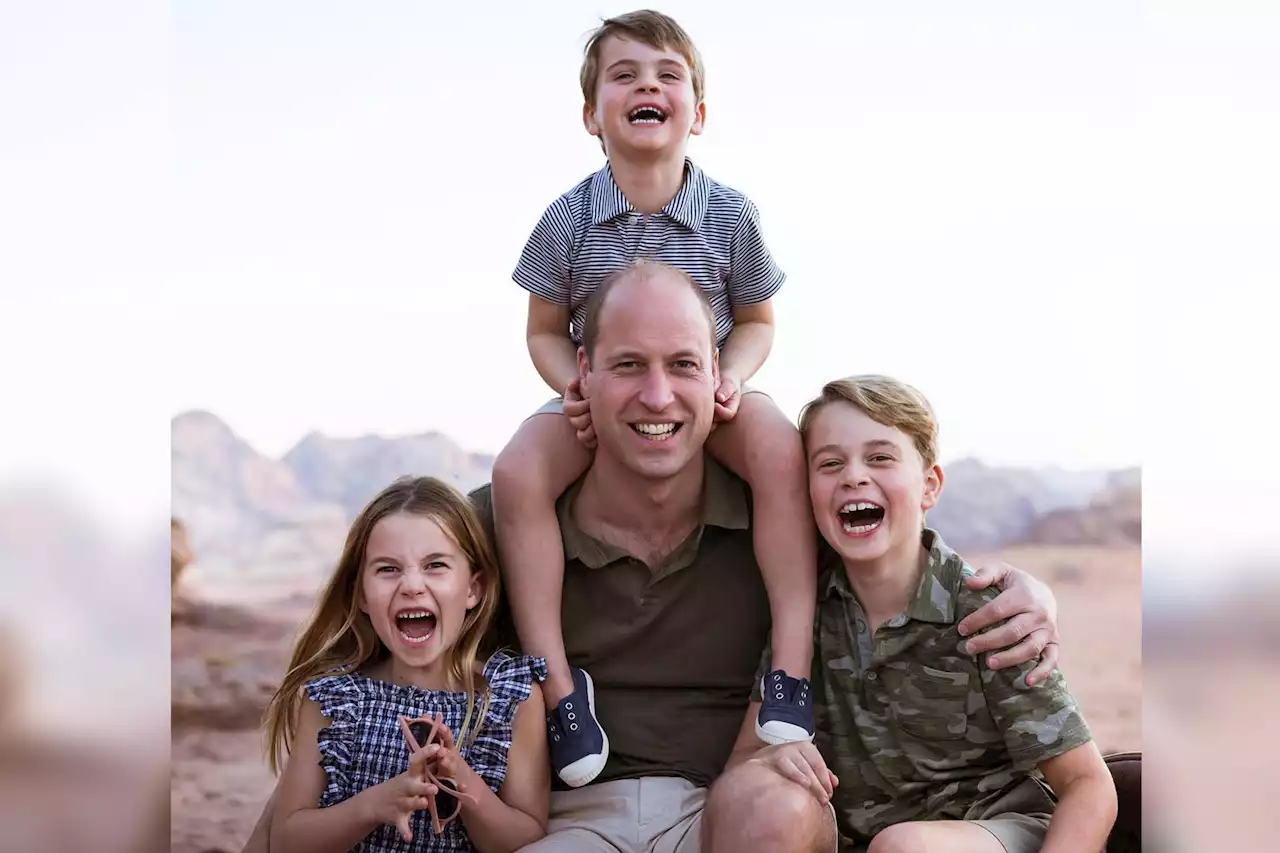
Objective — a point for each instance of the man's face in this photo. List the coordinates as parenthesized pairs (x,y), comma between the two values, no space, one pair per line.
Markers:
(652,378)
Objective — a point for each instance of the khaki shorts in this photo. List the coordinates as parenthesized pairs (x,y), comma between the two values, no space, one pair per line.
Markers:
(655,814)
(555,406)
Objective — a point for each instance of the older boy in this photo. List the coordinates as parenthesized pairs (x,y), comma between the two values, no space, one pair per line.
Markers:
(932,748)
(642,84)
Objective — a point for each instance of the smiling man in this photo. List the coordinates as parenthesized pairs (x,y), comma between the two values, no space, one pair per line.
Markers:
(669,610)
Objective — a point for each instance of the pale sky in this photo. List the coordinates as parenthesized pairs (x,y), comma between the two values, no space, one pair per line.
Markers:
(948,190)
(295,215)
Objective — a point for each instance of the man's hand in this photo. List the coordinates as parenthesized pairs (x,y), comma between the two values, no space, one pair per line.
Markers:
(1031,612)
(728,396)
(578,411)
(802,764)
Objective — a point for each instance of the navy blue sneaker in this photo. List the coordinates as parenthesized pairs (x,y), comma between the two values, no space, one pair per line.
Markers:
(786,714)
(579,747)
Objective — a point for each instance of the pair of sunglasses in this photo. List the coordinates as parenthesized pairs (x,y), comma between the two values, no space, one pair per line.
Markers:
(445,806)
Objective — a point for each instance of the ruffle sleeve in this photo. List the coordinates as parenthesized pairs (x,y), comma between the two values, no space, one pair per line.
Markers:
(339,698)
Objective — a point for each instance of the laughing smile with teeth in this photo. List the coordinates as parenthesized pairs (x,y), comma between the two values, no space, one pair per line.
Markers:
(656,432)
(860,517)
(647,114)
(416,625)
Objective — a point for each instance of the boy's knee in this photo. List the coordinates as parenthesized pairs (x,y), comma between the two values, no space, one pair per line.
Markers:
(899,838)
(753,807)
(516,471)
(781,454)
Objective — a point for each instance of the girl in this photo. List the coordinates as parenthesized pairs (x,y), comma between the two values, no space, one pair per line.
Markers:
(392,749)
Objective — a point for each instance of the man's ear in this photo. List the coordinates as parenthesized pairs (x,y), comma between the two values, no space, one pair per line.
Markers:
(932,486)
(715,365)
(584,371)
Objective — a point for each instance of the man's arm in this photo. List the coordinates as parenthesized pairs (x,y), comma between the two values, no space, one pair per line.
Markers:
(1029,613)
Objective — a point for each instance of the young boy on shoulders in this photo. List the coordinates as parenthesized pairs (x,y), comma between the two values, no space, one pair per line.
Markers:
(643,85)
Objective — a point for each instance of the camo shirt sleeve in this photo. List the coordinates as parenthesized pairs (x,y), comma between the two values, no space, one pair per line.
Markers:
(1038,722)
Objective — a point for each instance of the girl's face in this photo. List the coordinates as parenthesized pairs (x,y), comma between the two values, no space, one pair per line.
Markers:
(417,588)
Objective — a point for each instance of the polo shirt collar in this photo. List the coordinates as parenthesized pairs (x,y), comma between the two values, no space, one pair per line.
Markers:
(935,597)
(724,505)
(688,207)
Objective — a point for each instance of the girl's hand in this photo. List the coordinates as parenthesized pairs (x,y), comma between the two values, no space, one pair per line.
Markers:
(448,763)
(393,801)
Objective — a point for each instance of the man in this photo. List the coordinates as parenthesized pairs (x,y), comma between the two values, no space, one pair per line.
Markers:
(670,612)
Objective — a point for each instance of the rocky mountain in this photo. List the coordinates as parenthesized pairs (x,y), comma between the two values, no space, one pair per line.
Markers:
(250,516)
(1113,516)
(986,507)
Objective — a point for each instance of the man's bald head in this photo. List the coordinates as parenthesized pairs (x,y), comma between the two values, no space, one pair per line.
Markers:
(661,281)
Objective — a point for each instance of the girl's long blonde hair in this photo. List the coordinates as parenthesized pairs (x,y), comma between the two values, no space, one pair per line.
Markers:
(339,636)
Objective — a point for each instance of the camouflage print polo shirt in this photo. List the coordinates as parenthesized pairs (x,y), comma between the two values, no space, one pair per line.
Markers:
(915,727)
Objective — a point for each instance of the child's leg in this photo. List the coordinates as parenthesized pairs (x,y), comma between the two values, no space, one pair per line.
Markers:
(529,475)
(764,448)
(940,836)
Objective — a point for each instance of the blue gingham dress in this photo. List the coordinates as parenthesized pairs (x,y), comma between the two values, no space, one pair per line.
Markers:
(364,745)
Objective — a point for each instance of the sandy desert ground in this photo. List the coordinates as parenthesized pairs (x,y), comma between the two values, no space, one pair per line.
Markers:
(227,658)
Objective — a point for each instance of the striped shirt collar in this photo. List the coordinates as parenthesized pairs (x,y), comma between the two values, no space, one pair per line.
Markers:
(688,207)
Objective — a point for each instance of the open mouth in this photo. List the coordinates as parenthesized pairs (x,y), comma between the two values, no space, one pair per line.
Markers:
(647,115)
(416,625)
(861,517)
(656,432)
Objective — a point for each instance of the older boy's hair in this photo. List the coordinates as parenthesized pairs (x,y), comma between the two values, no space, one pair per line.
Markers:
(646,26)
(885,400)
(641,268)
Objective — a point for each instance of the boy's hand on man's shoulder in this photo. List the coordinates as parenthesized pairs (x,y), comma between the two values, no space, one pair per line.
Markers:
(1026,616)
(578,411)
(728,396)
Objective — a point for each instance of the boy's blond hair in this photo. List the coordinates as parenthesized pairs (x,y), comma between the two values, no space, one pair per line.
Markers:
(885,400)
(646,26)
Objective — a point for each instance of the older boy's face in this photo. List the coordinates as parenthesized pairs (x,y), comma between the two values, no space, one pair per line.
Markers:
(644,99)
(868,484)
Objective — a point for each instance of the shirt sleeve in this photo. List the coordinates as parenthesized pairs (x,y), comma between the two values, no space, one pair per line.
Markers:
(754,275)
(544,264)
(1038,722)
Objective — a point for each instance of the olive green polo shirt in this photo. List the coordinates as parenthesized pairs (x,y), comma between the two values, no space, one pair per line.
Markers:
(914,726)
(672,648)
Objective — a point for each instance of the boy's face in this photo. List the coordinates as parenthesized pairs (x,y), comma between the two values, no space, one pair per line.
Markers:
(644,99)
(868,484)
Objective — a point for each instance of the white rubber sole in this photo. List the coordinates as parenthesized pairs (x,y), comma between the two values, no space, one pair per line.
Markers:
(778,732)
(587,767)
